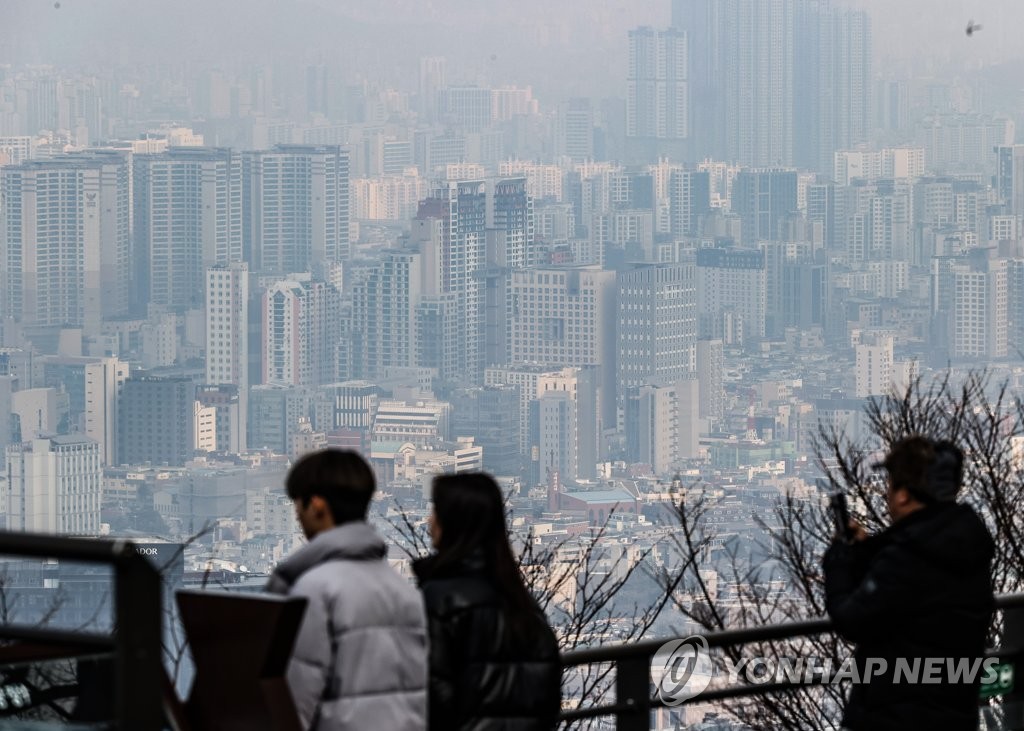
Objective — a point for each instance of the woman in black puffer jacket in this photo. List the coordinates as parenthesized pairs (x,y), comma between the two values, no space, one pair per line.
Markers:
(493,658)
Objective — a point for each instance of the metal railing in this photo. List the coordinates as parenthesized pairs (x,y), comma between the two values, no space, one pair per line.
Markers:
(134,645)
(632,664)
(140,682)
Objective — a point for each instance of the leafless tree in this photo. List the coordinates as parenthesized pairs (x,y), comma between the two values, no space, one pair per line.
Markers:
(985,419)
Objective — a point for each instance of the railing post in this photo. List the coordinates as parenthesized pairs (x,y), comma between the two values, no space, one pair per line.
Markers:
(138,643)
(633,689)
(1013,641)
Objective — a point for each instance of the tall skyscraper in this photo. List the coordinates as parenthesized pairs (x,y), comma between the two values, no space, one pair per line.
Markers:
(661,426)
(188,217)
(657,324)
(832,77)
(296,203)
(657,114)
(455,251)
(384,314)
(710,375)
(699,20)
(559,316)
(317,90)
(731,294)
(575,133)
(764,198)
(157,419)
(64,234)
(491,415)
(876,219)
(300,317)
(689,195)
(971,306)
(756,46)
(1009,179)
(227,333)
(104,381)
(54,485)
(509,224)
(776,82)
(564,434)
(470,108)
(432,80)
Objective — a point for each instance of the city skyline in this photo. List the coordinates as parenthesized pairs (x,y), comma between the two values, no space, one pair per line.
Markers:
(628,257)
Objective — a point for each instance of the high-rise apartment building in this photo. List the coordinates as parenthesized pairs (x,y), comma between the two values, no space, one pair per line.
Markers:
(54,485)
(104,381)
(227,335)
(775,82)
(384,306)
(889,162)
(450,232)
(464,229)
(711,377)
(530,380)
(689,196)
(300,317)
(226,402)
(971,305)
(564,425)
(509,224)
(662,424)
(188,217)
(821,211)
(296,203)
(1009,179)
(15,150)
(832,82)
(657,95)
(64,234)
(876,219)
(755,43)
(873,366)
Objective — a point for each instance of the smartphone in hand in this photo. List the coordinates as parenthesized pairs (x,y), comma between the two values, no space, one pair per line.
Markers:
(841,515)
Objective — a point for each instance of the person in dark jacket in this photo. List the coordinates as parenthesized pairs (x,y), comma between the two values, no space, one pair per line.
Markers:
(920,589)
(493,658)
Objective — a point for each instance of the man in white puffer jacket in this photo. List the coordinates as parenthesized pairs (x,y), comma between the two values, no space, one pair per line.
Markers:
(360,659)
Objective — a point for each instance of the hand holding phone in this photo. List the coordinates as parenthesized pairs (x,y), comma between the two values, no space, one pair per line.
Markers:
(841,515)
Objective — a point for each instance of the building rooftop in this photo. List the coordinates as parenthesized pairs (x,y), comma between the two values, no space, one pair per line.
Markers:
(602,496)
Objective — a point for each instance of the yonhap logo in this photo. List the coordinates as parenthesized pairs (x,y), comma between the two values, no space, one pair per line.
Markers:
(681,669)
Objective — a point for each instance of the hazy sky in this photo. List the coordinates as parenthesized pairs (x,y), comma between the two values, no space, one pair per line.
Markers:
(562,46)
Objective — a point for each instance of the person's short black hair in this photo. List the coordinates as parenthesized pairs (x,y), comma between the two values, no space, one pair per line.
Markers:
(342,478)
(908,463)
(932,470)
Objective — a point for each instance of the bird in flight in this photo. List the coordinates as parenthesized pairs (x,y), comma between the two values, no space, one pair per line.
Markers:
(972,28)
